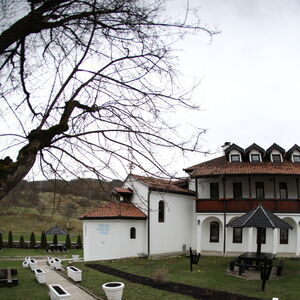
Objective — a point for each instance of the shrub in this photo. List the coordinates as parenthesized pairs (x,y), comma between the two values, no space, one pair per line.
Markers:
(68,242)
(43,240)
(1,240)
(22,243)
(79,242)
(55,239)
(160,276)
(32,240)
(10,243)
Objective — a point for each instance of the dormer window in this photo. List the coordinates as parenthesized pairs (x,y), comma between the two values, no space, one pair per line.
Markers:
(296,158)
(235,158)
(276,158)
(255,158)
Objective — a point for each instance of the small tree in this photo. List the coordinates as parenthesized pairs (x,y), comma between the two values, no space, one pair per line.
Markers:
(68,211)
(22,243)
(68,242)
(10,240)
(1,240)
(79,242)
(55,239)
(43,240)
(32,240)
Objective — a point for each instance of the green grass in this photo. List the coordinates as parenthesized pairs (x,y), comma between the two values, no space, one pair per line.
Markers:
(209,273)
(28,288)
(16,252)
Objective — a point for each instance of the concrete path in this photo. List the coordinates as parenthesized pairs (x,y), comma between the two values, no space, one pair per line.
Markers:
(53,277)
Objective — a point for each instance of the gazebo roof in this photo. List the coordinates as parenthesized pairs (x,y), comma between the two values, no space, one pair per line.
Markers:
(56,230)
(261,218)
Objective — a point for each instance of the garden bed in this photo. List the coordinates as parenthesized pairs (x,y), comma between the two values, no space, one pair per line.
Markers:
(188,290)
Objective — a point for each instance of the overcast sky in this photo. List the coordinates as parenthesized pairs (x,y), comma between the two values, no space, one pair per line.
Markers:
(249,73)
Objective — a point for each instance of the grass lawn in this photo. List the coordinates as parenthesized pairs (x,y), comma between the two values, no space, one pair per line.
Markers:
(28,288)
(209,273)
(22,253)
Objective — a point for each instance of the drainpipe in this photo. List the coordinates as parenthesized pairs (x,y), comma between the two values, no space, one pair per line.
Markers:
(148,224)
(225,208)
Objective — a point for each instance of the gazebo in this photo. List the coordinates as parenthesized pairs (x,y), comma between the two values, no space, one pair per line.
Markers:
(56,230)
(259,218)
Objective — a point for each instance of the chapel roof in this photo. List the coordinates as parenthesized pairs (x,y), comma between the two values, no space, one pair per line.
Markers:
(164,185)
(115,210)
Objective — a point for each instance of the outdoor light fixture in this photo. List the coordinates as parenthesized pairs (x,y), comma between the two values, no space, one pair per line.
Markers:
(198,222)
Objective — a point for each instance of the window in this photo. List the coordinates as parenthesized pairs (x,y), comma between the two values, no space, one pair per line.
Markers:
(214,190)
(235,158)
(283,190)
(161,211)
(255,158)
(214,232)
(284,236)
(263,236)
(260,190)
(276,158)
(237,190)
(237,235)
(132,233)
(296,158)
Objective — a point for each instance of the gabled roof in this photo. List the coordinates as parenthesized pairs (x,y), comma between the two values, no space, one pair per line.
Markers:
(164,185)
(261,218)
(290,151)
(232,147)
(115,210)
(123,190)
(277,147)
(256,147)
(221,166)
(56,230)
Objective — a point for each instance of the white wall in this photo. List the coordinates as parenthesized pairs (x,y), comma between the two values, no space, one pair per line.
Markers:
(178,228)
(110,239)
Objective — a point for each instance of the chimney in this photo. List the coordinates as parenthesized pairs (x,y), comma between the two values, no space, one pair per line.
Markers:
(225,146)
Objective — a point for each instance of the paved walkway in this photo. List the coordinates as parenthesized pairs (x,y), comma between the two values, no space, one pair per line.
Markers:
(53,277)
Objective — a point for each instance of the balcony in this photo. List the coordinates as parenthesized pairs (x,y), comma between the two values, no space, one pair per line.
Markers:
(246,204)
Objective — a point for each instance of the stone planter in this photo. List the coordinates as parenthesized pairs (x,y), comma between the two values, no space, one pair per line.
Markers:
(74,273)
(40,275)
(32,264)
(58,292)
(25,264)
(113,290)
(57,263)
(75,257)
(27,259)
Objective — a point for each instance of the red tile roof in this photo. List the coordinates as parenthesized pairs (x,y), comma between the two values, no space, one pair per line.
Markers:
(115,210)
(221,166)
(123,190)
(164,185)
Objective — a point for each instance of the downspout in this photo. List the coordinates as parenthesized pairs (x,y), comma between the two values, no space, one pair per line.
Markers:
(148,224)
(225,208)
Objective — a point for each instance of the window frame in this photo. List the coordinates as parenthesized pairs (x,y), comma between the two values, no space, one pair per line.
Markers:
(235,189)
(284,236)
(276,155)
(214,232)
(236,156)
(132,233)
(298,158)
(161,211)
(257,183)
(283,186)
(255,155)
(214,190)
(237,235)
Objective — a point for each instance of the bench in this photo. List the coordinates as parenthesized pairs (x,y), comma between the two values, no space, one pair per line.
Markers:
(8,277)
(279,268)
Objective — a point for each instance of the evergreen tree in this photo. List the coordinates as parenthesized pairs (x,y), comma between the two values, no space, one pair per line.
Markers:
(43,240)
(1,240)
(10,240)
(32,240)
(22,243)
(79,242)
(68,242)
(55,239)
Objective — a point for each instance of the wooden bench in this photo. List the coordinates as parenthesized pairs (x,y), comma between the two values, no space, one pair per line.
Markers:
(8,277)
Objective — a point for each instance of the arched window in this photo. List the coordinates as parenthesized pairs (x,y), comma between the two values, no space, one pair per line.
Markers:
(132,233)
(214,232)
(161,211)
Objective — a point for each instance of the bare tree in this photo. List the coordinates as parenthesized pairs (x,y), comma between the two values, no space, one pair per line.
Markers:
(84,83)
(68,210)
